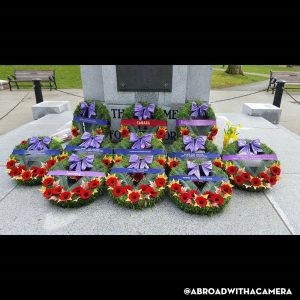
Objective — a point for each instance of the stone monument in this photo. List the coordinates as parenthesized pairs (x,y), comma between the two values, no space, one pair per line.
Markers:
(168,86)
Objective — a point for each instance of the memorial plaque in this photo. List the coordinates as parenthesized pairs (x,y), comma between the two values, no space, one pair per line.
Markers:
(146,78)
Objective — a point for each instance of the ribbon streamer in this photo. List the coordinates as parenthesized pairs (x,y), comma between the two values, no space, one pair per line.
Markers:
(88,110)
(199,111)
(140,163)
(253,146)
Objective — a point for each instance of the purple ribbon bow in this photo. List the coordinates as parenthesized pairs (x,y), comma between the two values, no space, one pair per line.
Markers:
(39,144)
(194,144)
(142,112)
(78,164)
(87,110)
(140,142)
(199,110)
(196,169)
(140,163)
(254,146)
(90,141)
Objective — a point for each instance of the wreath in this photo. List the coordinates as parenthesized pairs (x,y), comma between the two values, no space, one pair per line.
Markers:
(94,143)
(144,117)
(198,118)
(75,181)
(251,165)
(199,187)
(137,181)
(141,143)
(91,115)
(32,158)
(191,147)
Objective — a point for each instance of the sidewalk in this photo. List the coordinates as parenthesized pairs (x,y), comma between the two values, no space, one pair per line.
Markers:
(273,212)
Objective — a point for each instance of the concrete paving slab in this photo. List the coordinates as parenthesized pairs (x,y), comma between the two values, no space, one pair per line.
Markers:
(286,200)
(32,214)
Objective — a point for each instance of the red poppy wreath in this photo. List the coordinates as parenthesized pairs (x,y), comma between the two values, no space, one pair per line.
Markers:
(137,181)
(251,165)
(199,187)
(144,117)
(32,158)
(75,181)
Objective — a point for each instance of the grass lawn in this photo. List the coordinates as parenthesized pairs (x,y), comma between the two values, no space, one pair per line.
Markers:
(263,69)
(67,76)
(220,79)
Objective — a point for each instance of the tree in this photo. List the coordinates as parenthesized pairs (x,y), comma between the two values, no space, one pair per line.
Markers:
(234,69)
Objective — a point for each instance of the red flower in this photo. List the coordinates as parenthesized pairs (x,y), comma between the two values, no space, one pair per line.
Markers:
(226,189)
(173,164)
(77,190)
(15,172)
(217,163)
(184,131)
(41,172)
(255,181)
(106,162)
(62,157)
(162,162)
(26,175)
(210,137)
(118,191)
(217,198)
(134,196)
(34,170)
(138,176)
(51,163)
(246,176)
(112,181)
(273,180)
(94,183)
(238,180)
(85,194)
(24,142)
(275,170)
(48,193)
(128,187)
(192,193)
(264,176)
(144,188)
(152,192)
(57,190)
(214,131)
(75,131)
(209,193)
(22,167)
(160,181)
(124,133)
(99,131)
(10,164)
(65,196)
(184,197)
(176,187)
(201,201)
(232,170)
(161,133)
(48,181)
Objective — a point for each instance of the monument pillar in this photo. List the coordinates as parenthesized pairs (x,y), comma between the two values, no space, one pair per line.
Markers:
(168,86)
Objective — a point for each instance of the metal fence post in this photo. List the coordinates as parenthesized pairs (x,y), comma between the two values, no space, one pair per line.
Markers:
(37,90)
(278,92)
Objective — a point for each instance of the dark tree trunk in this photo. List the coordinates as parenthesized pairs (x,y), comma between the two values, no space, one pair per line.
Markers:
(234,69)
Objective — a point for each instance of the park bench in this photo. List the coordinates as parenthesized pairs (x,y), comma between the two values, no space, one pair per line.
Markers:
(288,77)
(29,75)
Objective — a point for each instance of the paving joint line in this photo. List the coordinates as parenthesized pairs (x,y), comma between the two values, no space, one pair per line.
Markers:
(3,197)
(281,214)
